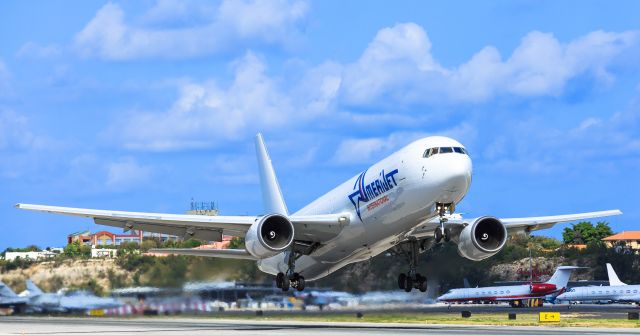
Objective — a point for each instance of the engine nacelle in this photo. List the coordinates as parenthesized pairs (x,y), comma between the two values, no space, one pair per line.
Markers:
(269,236)
(482,239)
(542,288)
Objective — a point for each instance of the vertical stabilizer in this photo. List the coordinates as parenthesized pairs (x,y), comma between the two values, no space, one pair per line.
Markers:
(33,289)
(6,292)
(271,195)
(613,277)
(466,283)
(561,277)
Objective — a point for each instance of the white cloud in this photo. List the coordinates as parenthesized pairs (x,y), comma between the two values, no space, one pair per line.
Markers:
(359,150)
(398,67)
(126,173)
(35,50)
(593,143)
(14,131)
(109,36)
(206,113)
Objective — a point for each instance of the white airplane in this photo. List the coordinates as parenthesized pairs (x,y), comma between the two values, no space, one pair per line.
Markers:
(406,200)
(617,291)
(516,295)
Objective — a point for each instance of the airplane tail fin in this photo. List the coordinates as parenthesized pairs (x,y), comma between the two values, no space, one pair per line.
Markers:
(613,277)
(33,289)
(271,195)
(466,282)
(5,291)
(561,277)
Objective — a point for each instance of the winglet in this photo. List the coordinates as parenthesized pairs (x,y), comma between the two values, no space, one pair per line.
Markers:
(613,277)
(271,195)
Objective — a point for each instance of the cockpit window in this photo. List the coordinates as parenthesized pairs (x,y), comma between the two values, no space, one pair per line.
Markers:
(444,150)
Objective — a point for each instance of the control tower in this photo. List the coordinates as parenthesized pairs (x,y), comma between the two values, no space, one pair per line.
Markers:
(203,208)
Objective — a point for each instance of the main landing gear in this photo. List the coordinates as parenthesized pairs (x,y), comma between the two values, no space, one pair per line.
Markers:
(412,279)
(290,279)
(442,233)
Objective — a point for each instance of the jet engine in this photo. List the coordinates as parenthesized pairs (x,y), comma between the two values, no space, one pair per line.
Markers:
(481,239)
(542,288)
(269,236)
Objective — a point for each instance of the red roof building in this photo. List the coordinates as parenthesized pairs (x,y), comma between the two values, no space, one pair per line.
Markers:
(630,238)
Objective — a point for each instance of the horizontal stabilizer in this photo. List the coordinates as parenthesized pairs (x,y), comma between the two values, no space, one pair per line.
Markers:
(220,253)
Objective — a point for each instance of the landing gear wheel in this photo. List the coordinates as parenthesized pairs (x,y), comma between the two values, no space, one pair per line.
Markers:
(279,279)
(301,283)
(447,234)
(402,278)
(422,283)
(408,284)
(437,235)
(286,283)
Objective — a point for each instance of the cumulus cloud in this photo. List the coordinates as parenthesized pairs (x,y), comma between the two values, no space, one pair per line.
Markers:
(206,112)
(398,67)
(109,36)
(358,150)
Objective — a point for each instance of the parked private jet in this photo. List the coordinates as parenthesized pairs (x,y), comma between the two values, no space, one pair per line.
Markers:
(407,200)
(516,295)
(617,291)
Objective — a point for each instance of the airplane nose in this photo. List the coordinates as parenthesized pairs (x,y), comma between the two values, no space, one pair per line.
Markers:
(456,177)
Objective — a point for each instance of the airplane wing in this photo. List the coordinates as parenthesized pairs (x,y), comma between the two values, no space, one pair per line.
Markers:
(513,225)
(313,228)
(529,224)
(220,253)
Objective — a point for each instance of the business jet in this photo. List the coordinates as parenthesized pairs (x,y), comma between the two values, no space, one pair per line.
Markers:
(617,291)
(516,295)
(407,200)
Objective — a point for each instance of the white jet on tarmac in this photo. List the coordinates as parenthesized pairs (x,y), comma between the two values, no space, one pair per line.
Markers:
(516,295)
(617,291)
(407,200)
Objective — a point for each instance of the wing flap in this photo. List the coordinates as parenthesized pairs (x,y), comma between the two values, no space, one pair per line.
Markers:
(220,253)
(208,228)
(319,228)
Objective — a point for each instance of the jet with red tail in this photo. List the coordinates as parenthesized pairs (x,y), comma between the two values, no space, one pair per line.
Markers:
(516,295)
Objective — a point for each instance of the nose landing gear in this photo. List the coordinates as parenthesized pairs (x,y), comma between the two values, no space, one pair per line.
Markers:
(442,233)
(291,278)
(412,279)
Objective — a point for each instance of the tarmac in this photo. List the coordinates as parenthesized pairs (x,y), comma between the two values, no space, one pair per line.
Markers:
(66,325)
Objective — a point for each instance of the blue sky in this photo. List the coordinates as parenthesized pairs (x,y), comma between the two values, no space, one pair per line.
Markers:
(143,106)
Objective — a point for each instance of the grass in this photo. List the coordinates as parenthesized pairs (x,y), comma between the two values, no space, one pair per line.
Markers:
(497,319)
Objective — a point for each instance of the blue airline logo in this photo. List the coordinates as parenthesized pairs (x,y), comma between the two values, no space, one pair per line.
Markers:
(365,192)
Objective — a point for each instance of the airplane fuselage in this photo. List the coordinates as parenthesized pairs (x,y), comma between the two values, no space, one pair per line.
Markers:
(494,293)
(384,204)
(618,293)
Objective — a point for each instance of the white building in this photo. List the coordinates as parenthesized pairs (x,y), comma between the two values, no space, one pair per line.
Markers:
(32,255)
(98,252)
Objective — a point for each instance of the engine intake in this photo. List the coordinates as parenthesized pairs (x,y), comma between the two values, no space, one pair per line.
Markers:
(483,238)
(269,236)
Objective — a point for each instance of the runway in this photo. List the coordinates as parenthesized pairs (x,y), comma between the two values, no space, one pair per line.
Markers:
(67,325)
